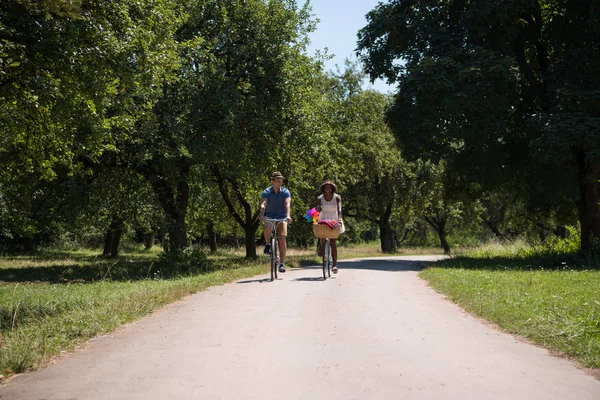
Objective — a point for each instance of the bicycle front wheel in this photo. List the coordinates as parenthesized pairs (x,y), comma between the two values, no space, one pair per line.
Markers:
(326,251)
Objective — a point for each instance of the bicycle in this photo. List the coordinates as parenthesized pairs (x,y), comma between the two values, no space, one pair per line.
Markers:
(326,233)
(327,260)
(275,259)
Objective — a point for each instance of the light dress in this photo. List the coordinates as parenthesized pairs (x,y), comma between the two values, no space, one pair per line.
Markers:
(328,209)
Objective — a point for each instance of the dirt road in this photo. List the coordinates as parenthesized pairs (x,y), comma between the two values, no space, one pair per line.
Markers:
(374,331)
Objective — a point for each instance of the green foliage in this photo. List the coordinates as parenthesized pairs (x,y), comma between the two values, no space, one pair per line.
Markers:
(503,92)
(80,76)
(188,261)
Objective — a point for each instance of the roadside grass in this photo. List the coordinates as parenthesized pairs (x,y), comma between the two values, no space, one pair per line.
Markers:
(551,298)
(55,300)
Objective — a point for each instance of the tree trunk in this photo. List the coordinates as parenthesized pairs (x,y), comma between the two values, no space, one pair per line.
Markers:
(174,198)
(386,233)
(439,225)
(587,204)
(444,242)
(494,228)
(174,203)
(561,232)
(112,238)
(589,214)
(149,240)
(249,220)
(386,237)
(116,239)
(177,232)
(399,242)
(28,245)
(108,239)
(250,231)
(212,236)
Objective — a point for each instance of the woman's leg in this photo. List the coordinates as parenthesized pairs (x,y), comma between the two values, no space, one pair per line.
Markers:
(334,253)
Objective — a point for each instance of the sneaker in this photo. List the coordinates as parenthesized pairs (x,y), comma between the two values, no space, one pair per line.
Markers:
(281,268)
(267,249)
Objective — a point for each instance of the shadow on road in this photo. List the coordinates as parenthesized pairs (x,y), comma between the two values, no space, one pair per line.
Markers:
(256,280)
(309,279)
(385,265)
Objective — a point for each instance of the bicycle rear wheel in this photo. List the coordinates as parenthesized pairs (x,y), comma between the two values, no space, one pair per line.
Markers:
(277,258)
(273,259)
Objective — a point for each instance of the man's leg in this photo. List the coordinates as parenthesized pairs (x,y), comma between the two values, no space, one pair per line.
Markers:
(267,233)
(282,229)
(282,248)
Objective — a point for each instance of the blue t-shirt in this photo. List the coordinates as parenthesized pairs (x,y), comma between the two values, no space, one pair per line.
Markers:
(276,202)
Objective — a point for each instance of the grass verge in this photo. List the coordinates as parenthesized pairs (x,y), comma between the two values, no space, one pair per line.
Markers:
(545,299)
(42,318)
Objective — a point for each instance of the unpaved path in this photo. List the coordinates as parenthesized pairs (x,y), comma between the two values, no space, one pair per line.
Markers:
(374,331)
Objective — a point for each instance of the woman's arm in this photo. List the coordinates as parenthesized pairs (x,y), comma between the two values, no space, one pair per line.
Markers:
(339,206)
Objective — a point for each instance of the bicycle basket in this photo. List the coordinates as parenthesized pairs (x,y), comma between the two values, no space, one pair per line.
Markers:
(322,231)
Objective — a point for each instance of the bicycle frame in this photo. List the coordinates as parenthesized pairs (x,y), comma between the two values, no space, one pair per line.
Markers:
(275,258)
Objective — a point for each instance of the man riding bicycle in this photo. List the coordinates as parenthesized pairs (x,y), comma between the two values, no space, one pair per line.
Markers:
(275,204)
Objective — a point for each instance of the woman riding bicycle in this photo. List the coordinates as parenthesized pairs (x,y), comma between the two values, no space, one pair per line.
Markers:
(330,205)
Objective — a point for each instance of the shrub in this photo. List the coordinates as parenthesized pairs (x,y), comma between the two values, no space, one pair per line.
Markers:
(190,261)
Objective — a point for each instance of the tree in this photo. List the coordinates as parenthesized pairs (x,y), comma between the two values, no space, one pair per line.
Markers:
(442,198)
(373,175)
(497,89)
(247,84)
(74,79)
(362,156)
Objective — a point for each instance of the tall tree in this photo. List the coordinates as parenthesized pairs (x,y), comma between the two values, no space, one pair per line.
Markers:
(248,85)
(373,172)
(71,76)
(497,89)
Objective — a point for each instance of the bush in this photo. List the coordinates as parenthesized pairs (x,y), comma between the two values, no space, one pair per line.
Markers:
(190,261)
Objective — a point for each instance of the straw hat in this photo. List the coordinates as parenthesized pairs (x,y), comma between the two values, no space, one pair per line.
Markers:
(276,175)
(334,187)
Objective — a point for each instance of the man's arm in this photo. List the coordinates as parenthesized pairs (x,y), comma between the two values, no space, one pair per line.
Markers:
(288,207)
(263,208)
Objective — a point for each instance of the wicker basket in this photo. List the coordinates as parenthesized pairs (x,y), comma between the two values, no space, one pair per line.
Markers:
(322,231)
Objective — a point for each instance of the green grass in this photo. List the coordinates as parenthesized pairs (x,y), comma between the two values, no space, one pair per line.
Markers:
(55,301)
(553,299)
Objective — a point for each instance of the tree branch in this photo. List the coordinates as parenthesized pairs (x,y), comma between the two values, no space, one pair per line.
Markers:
(221,184)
